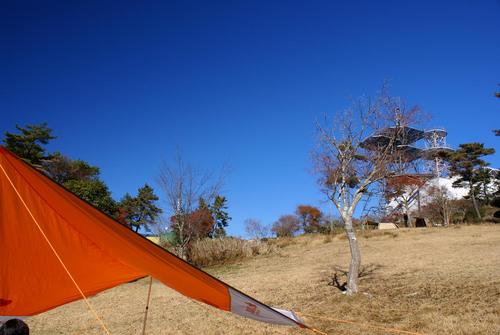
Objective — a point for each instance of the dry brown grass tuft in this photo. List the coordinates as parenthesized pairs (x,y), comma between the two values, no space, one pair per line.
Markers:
(328,238)
(377,233)
(431,281)
(282,242)
(208,252)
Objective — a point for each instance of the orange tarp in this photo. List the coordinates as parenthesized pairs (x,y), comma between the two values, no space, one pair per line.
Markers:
(98,252)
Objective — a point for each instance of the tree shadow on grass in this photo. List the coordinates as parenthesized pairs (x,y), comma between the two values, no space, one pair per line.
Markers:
(339,278)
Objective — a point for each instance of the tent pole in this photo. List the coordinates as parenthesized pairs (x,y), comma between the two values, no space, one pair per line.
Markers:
(147,306)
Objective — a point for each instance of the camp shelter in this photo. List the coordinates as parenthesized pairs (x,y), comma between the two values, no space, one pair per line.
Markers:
(56,248)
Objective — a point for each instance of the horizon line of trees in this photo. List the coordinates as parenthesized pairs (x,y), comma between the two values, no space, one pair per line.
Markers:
(306,219)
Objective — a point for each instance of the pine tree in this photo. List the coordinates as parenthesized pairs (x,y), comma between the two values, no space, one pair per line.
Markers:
(82,179)
(140,211)
(29,145)
(467,165)
(94,192)
(63,169)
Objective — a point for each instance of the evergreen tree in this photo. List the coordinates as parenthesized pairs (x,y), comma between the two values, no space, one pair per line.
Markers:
(467,165)
(63,169)
(140,211)
(82,179)
(220,216)
(28,145)
(94,192)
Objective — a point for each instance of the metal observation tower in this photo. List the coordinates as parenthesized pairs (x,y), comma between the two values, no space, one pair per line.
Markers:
(410,144)
(404,142)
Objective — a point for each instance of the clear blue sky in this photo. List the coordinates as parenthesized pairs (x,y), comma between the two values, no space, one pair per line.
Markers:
(124,83)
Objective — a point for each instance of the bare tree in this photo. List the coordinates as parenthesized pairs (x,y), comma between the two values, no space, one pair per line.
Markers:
(286,226)
(255,229)
(437,205)
(350,162)
(185,187)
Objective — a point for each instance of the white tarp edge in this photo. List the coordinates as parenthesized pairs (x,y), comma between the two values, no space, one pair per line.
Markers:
(243,305)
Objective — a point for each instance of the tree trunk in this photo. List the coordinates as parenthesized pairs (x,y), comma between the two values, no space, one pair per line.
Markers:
(352,278)
(181,252)
(485,193)
(476,208)
(418,202)
(446,213)
(181,248)
(406,205)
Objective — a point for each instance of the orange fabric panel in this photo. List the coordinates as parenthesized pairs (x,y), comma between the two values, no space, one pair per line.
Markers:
(99,252)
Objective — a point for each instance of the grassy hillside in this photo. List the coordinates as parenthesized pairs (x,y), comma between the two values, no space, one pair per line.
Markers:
(431,281)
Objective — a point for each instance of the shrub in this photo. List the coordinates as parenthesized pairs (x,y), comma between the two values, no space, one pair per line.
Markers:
(331,225)
(208,252)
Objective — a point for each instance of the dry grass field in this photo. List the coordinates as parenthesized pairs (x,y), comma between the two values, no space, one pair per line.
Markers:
(430,281)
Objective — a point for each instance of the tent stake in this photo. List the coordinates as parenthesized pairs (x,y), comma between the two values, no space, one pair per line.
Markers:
(147,306)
